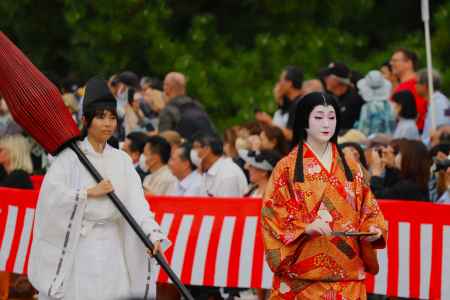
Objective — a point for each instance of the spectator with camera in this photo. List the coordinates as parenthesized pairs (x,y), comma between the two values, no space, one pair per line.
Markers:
(412,160)
(440,174)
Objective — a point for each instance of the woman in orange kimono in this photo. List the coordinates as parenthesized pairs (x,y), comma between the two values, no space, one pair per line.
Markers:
(315,200)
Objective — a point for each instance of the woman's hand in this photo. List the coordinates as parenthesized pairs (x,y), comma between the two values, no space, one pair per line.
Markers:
(156,248)
(374,237)
(318,227)
(377,166)
(101,189)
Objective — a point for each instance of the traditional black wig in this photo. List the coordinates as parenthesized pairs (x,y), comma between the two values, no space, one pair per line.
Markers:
(304,108)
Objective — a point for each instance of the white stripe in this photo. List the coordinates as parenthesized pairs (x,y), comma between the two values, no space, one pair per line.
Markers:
(445,279)
(8,237)
(180,244)
(380,285)
(247,248)
(166,223)
(426,240)
(24,241)
(403,259)
(223,252)
(267,278)
(201,250)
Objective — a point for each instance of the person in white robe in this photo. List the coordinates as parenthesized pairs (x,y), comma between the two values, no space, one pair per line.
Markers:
(82,247)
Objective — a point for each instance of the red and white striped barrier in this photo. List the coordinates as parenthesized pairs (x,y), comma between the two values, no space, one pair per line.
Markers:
(217,242)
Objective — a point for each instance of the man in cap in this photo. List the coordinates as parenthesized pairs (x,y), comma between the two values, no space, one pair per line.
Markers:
(338,82)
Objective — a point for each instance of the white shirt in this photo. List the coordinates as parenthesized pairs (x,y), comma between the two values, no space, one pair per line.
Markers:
(191,185)
(441,104)
(280,119)
(224,179)
(161,182)
(406,129)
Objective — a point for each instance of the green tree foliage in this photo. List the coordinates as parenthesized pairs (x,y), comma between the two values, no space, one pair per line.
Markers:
(231,50)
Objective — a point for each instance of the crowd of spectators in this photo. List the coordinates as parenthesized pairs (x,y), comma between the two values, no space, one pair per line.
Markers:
(387,117)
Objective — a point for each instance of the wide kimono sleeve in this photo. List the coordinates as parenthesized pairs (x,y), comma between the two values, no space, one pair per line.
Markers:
(138,205)
(371,214)
(283,226)
(58,219)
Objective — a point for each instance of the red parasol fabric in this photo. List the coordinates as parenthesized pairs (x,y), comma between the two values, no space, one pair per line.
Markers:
(34,102)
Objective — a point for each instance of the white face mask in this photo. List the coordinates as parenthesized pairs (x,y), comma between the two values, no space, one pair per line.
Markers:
(142,163)
(196,160)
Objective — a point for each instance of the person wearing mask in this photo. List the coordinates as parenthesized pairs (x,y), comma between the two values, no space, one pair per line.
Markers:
(134,146)
(221,177)
(413,162)
(160,181)
(259,166)
(404,63)
(376,114)
(189,179)
(439,100)
(82,248)
(406,114)
(338,82)
(15,159)
(288,91)
(182,113)
(313,193)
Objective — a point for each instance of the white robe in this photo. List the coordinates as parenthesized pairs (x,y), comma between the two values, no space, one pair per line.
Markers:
(82,248)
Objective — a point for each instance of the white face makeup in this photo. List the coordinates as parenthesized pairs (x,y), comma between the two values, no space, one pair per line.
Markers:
(322,123)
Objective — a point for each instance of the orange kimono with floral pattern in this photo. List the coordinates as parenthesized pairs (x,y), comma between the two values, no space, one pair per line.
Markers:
(318,267)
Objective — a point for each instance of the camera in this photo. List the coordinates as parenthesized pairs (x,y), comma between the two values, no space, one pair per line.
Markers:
(442,164)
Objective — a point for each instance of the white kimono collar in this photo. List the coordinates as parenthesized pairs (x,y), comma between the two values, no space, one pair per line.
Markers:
(87,148)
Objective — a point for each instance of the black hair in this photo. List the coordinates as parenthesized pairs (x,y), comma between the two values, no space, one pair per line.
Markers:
(409,55)
(388,65)
(130,95)
(295,75)
(408,103)
(153,82)
(159,145)
(137,141)
(185,154)
(211,141)
(90,114)
(358,148)
(301,122)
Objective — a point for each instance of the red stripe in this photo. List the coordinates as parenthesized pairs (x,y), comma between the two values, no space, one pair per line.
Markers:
(370,283)
(188,263)
(211,255)
(235,252)
(436,262)
(392,274)
(25,269)
(414,261)
(3,218)
(172,235)
(258,259)
(16,241)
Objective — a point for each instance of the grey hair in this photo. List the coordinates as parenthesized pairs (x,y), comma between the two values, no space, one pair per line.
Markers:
(422,78)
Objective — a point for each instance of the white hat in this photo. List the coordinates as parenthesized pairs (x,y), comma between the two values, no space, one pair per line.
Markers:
(264,160)
(374,87)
